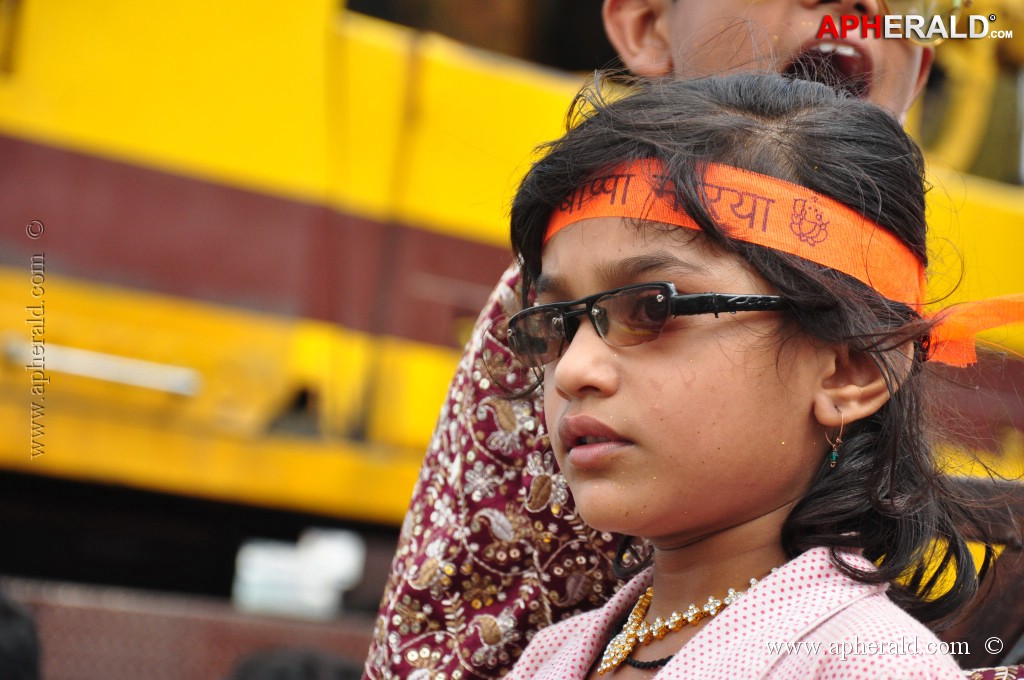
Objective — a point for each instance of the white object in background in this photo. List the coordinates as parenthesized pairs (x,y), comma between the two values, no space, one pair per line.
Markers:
(306,579)
(335,554)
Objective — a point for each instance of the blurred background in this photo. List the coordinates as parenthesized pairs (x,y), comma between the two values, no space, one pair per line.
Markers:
(241,247)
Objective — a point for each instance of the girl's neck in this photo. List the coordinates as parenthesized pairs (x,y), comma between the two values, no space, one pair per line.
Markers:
(711,565)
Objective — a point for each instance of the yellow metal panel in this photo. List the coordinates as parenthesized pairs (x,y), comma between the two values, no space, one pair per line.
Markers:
(368,73)
(433,133)
(250,367)
(231,90)
(334,363)
(410,380)
(217,443)
(1007,462)
(477,119)
(239,357)
(977,243)
(339,479)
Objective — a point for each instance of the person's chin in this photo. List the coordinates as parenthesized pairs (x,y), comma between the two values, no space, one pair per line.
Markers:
(607,513)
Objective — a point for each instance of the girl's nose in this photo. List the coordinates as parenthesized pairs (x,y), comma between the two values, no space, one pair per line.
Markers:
(587,365)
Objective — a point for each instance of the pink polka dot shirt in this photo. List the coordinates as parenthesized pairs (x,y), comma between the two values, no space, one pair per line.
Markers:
(805,620)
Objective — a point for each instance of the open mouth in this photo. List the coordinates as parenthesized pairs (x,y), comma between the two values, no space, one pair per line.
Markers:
(837,65)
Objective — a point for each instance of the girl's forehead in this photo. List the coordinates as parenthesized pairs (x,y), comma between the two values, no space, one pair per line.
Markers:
(623,234)
(612,251)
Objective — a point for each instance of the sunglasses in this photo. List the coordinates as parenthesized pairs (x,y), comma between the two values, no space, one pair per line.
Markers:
(929,9)
(623,317)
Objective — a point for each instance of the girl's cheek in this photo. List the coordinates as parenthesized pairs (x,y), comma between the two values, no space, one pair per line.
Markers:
(550,392)
(553,408)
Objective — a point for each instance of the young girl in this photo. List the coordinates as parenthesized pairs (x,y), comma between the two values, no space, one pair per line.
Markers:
(729,277)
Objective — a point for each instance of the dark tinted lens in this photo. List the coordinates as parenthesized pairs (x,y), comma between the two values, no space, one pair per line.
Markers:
(536,335)
(633,316)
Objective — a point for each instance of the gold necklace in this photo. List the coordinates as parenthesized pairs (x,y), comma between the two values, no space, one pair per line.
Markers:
(638,631)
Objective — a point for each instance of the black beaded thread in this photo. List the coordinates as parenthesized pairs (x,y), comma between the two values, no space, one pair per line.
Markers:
(647,665)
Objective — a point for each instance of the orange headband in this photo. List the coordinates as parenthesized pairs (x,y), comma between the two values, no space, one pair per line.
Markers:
(792,219)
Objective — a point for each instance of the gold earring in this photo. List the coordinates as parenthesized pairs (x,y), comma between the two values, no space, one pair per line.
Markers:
(834,456)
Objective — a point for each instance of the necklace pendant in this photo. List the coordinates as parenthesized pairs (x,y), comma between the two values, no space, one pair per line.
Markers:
(616,652)
(638,631)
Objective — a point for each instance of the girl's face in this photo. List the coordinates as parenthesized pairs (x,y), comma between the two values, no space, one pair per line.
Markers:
(781,35)
(706,427)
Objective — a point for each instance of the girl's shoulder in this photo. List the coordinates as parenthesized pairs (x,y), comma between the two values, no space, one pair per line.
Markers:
(859,631)
(874,638)
(809,619)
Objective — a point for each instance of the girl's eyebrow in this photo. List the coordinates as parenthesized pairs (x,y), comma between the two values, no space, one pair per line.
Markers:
(546,284)
(661,262)
(626,270)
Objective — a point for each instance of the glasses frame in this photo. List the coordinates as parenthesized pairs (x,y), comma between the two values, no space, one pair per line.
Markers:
(691,304)
(958,6)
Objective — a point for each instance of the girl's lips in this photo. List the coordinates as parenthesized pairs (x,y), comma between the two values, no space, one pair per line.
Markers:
(588,441)
(593,456)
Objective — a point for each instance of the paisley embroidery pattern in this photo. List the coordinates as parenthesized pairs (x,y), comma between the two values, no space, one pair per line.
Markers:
(491,549)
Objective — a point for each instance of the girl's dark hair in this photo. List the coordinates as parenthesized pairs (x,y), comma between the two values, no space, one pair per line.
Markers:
(886,498)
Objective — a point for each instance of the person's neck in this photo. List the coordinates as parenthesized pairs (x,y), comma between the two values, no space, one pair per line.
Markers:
(710,565)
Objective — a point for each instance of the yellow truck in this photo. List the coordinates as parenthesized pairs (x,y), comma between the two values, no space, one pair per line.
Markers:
(242,243)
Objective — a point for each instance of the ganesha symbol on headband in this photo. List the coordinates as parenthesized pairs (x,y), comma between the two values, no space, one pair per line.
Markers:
(807,222)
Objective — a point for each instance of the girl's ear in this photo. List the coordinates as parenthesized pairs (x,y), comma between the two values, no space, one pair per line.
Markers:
(639,32)
(927,59)
(854,388)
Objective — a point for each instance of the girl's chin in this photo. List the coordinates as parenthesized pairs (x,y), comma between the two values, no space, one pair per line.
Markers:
(609,517)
